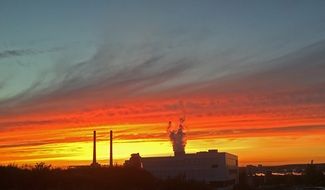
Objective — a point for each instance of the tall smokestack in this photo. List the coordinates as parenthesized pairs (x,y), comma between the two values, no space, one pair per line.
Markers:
(111,148)
(94,150)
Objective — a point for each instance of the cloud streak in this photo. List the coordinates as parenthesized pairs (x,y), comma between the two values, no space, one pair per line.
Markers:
(26,52)
(102,83)
(15,53)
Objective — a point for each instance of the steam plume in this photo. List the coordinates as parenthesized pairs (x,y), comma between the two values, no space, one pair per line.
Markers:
(177,137)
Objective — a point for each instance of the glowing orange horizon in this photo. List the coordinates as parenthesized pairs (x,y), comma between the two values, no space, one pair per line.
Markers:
(65,139)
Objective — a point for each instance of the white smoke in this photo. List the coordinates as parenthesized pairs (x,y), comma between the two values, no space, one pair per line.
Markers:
(177,137)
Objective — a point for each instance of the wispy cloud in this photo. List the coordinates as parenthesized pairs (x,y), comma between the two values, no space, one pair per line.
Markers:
(259,132)
(286,81)
(102,77)
(15,53)
(9,53)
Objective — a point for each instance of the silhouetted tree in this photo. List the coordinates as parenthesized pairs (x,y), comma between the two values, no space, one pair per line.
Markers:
(42,167)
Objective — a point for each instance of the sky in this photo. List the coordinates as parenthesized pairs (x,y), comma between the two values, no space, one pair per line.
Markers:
(248,76)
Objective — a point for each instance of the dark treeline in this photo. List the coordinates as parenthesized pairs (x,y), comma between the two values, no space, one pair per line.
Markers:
(44,177)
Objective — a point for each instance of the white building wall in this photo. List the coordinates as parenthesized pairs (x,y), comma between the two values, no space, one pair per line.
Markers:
(211,167)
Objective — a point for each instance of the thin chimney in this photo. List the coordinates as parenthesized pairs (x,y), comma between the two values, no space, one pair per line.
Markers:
(94,150)
(111,149)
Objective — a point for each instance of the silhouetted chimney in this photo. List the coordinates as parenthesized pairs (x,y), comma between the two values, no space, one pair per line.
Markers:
(94,149)
(111,149)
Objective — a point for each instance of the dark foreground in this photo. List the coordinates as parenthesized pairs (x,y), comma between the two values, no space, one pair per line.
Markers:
(116,178)
(43,177)
(312,177)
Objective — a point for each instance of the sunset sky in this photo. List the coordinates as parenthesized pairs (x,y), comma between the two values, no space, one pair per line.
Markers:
(249,77)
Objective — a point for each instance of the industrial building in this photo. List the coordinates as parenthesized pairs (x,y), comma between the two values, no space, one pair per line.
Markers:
(219,169)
